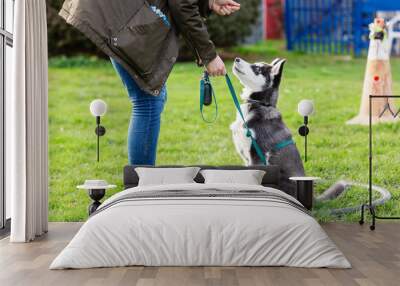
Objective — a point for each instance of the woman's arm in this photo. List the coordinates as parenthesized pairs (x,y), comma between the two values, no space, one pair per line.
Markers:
(187,17)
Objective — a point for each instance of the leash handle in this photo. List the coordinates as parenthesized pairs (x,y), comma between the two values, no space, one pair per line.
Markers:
(206,96)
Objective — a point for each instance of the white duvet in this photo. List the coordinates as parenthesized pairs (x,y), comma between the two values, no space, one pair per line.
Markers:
(201,231)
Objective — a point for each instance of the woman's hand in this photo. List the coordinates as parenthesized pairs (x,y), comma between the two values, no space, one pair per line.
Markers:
(216,67)
(225,7)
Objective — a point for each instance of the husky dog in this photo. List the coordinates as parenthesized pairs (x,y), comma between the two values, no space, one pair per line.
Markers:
(260,95)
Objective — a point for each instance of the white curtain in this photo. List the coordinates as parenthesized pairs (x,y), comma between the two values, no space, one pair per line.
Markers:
(27,123)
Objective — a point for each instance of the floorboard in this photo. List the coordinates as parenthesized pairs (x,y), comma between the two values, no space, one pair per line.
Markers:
(375,257)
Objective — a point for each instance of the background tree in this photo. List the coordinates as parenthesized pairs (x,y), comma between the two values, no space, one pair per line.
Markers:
(64,39)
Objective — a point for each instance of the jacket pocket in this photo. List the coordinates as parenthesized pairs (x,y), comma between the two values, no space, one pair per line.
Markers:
(140,42)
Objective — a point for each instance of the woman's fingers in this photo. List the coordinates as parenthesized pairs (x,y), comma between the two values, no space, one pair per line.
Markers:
(226,10)
(223,72)
(225,7)
(219,72)
(233,8)
(232,3)
(221,11)
(226,2)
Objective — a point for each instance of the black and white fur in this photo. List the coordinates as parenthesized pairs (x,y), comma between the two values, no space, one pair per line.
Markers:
(260,95)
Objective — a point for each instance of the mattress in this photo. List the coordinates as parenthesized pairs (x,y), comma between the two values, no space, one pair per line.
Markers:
(201,225)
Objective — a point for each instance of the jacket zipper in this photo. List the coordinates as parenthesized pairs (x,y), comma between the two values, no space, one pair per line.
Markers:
(199,61)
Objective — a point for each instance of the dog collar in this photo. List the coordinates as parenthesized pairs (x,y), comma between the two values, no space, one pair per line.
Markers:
(283,144)
(258,102)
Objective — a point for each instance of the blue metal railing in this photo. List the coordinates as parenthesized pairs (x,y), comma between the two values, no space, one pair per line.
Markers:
(332,26)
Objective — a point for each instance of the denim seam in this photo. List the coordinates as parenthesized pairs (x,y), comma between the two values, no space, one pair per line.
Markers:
(147,133)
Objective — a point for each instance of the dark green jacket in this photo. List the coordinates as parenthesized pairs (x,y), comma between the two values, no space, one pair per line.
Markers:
(134,35)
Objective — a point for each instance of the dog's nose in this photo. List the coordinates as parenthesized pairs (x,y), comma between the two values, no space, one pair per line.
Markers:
(237,60)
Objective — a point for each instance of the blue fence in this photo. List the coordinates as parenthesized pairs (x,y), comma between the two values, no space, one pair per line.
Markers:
(332,26)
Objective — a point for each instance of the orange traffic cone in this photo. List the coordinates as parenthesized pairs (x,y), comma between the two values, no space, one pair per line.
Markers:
(378,78)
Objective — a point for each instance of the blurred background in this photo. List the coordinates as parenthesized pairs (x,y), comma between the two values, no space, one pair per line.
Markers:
(325,43)
(323,26)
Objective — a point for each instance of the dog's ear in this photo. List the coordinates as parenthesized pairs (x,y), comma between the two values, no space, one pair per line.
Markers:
(276,71)
(275,61)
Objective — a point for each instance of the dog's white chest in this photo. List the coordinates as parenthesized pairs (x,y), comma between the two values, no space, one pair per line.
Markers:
(241,141)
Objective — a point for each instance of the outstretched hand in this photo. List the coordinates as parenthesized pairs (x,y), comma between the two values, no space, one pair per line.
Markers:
(225,7)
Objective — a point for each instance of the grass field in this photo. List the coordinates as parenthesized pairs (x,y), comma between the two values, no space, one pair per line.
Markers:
(337,151)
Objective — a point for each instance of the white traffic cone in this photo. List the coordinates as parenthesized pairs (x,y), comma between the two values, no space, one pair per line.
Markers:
(378,78)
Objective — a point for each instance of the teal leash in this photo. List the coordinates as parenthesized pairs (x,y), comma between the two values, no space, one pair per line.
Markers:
(206,81)
(259,151)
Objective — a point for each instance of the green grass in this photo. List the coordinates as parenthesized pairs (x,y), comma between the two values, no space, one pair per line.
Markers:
(337,151)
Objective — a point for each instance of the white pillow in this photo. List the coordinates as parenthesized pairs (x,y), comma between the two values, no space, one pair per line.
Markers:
(166,176)
(248,177)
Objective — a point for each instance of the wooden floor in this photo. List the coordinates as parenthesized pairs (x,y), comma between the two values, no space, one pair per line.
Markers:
(375,257)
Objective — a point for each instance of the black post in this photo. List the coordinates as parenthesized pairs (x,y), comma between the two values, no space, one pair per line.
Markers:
(303,131)
(305,190)
(98,137)
(100,131)
(305,138)
(370,152)
(96,195)
(372,211)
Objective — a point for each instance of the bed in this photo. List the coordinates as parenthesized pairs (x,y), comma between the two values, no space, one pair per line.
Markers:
(198,224)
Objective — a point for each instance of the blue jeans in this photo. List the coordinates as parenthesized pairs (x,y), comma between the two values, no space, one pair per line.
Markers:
(144,126)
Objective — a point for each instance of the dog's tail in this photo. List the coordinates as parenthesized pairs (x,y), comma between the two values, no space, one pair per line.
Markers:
(341,187)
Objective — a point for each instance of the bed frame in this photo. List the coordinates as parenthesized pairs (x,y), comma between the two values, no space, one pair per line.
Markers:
(271,177)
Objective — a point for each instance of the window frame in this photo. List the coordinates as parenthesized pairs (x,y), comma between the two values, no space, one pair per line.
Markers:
(6,39)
